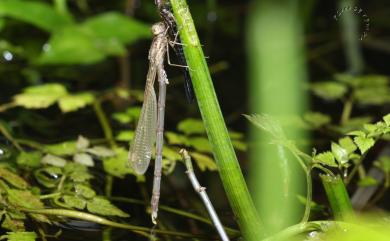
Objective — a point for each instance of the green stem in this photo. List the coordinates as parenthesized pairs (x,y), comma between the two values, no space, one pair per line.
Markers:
(228,166)
(6,134)
(337,196)
(309,191)
(104,123)
(96,219)
(61,7)
(174,211)
(347,110)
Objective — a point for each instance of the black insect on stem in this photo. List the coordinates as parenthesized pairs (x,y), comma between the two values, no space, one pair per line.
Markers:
(169,20)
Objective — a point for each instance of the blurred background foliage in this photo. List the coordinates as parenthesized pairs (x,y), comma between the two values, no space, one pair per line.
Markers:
(71,83)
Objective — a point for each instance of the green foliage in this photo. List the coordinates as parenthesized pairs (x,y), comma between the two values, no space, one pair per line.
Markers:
(43,96)
(329,90)
(38,14)
(20,236)
(102,206)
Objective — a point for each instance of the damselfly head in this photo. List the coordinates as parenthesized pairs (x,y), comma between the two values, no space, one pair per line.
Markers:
(158,28)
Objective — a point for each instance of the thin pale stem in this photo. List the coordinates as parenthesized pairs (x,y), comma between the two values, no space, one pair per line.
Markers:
(203,195)
(104,123)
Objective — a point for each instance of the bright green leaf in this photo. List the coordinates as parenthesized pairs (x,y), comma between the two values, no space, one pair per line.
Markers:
(21,236)
(63,148)
(125,136)
(347,144)
(77,172)
(171,154)
(326,158)
(200,144)
(102,206)
(383,163)
(114,26)
(41,96)
(329,90)
(36,13)
(12,178)
(239,145)
(316,119)
(176,139)
(191,126)
(82,143)
(74,201)
(26,199)
(12,224)
(84,191)
(72,45)
(83,159)
(53,160)
(100,151)
(204,162)
(357,133)
(70,103)
(386,118)
(339,153)
(118,165)
(364,143)
(29,159)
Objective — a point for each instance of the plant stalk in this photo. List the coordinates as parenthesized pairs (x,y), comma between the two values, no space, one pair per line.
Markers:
(226,160)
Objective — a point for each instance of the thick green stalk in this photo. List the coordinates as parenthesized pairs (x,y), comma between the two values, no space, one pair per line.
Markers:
(228,166)
(337,196)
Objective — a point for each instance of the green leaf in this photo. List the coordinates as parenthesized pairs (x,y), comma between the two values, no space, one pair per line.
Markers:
(71,103)
(364,143)
(53,160)
(112,26)
(36,13)
(84,159)
(102,206)
(200,144)
(316,119)
(175,139)
(239,145)
(326,158)
(268,124)
(204,162)
(84,191)
(329,90)
(82,143)
(125,136)
(383,163)
(236,135)
(77,172)
(26,199)
(372,96)
(339,153)
(131,114)
(29,159)
(41,96)
(171,154)
(118,165)
(12,224)
(74,45)
(48,176)
(347,144)
(100,151)
(367,182)
(74,201)
(61,149)
(386,118)
(191,126)
(357,133)
(21,236)
(13,179)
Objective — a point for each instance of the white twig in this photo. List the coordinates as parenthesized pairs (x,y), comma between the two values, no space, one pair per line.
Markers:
(203,195)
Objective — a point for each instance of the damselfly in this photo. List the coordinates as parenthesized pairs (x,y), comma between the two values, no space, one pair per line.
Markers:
(151,123)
